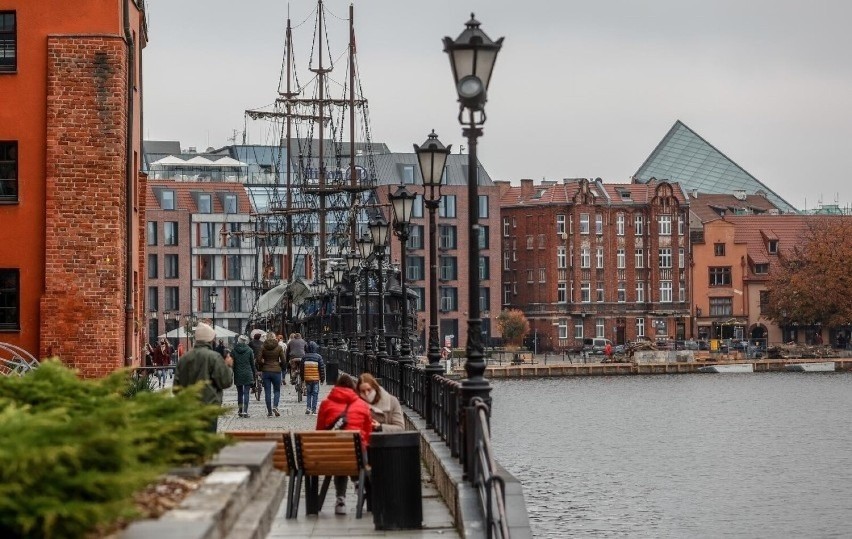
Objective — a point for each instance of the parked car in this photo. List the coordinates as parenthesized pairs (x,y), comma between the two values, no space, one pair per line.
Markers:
(595,346)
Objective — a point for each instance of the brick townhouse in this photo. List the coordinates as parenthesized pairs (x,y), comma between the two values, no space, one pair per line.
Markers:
(71,200)
(582,258)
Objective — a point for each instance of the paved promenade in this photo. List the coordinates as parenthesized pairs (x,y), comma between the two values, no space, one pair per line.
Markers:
(437,521)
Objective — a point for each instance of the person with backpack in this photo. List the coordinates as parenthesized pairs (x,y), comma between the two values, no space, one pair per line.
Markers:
(270,363)
(312,370)
(343,409)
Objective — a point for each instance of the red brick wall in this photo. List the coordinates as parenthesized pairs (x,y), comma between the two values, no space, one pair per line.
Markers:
(83,303)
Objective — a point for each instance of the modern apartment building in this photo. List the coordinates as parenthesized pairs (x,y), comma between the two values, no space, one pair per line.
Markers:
(71,200)
(582,258)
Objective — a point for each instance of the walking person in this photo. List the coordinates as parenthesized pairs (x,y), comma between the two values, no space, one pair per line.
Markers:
(204,363)
(608,351)
(244,373)
(270,364)
(312,370)
(162,359)
(341,400)
(385,409)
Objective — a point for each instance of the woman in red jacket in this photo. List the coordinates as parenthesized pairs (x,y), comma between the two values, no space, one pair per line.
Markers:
(343,398)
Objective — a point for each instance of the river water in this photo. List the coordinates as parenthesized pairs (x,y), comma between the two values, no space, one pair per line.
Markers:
(702,455)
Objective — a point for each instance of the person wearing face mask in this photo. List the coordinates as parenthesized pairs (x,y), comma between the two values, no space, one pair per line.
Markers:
(384,407)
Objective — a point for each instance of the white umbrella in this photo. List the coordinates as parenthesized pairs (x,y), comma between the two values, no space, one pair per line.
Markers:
(180,333)
(224,333)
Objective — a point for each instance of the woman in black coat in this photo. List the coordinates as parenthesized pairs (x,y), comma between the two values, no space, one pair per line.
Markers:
(244,373)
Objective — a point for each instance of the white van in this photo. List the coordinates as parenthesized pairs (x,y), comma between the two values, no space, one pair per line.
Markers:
(595,346)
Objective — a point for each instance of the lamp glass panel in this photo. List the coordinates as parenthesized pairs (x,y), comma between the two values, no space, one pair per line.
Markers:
(463,59)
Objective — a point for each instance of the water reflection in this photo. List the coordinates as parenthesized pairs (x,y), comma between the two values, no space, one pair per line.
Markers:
(755,455)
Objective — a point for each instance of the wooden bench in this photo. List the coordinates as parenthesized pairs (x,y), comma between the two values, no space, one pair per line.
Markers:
(283,459)
(327,453)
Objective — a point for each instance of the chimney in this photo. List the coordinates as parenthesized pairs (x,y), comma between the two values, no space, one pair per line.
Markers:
(739,194)
(527,188)
(695,193)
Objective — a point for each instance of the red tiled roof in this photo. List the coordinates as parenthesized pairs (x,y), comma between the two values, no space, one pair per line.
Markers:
(756,230)
(706,207)
(563,193)
(185,201)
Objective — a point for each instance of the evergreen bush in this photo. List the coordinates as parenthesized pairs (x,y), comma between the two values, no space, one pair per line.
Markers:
(74,451)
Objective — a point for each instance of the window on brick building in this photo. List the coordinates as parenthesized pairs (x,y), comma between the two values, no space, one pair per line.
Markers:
(449,270)
(665,257)
(764,300)
(622,292)
(563,328)
(506,226)
(586,292)
(541,241)
(640,258)
(640,327)
(598,224)
(599,292)
(8,171)
(600,328)
(530,242)
(665,225)
(665,291)
(484,241)
(560,224)
(484,268)
(561,258)
(620,258)
(419,302)
(507,294)
(415,238)
(449,298)
(561,293)
(584,223)
(619,224)
(638,224)
(447,206)
(414,268)
(171,297)
(719,249)
(599,258)
(585,258)
(530,275)
(640,292)
(151,232)
(484,299)
(681,258)
(170,267)
(230,203)
(417,208)
(10,297)
(578,328)
(447,237)
(153,272)
(8,42)
(408,174)
(153,299)
(542,275)
(506,259)
(170,233)
(483,206)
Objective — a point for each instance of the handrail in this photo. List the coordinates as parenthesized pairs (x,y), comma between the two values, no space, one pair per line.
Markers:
(491,487)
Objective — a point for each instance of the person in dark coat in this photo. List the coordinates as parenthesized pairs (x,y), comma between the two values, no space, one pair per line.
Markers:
(343,397)
(204,363)
(312,370)
(244,373)
(256,344)
(272,359)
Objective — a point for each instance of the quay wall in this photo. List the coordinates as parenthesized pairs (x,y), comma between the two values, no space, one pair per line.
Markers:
(611,369)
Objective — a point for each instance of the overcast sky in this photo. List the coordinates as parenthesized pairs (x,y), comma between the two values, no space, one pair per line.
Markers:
(581,88)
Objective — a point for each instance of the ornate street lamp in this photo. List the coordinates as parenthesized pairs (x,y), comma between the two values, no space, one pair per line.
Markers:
(338,271)
(403,204)
(472,56)
(213,297)
(329,286)
(379,229)
(353,260)
(432,157)
(365,248)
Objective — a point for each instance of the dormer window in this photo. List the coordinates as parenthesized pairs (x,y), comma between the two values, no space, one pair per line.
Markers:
(205,204)
(761,269)
(167,199)
(772,247)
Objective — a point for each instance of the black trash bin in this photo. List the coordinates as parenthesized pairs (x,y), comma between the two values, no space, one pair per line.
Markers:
(331,373)
(395,487)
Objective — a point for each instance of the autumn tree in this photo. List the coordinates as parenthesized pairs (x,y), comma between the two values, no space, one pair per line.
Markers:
(811,283)
(513,325)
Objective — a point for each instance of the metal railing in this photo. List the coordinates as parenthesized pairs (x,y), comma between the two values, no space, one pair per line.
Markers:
(463,427)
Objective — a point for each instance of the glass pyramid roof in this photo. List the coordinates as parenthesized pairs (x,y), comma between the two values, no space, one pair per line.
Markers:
(683,156)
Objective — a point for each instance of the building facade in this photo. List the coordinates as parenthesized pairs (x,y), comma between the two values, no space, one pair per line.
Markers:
(71,199)
(586,259)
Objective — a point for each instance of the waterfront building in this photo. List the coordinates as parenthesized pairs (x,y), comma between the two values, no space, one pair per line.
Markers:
(687,158)
(582,259)
(71,199)
(260,173)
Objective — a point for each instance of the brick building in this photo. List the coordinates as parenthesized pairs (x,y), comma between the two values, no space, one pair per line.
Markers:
(70,196)
(586,259)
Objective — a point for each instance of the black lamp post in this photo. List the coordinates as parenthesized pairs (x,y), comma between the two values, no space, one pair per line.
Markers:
(432,157)
(365,247)
(352,262)
(213,297)
(379,229)
(329,287)
(338,271)
(472,55)
(403,203)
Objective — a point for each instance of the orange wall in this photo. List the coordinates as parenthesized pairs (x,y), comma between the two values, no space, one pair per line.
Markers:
(703,256)
(23,106)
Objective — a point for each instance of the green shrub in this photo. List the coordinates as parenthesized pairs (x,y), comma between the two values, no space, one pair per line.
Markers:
(74,451)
